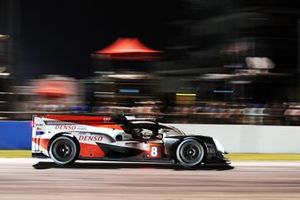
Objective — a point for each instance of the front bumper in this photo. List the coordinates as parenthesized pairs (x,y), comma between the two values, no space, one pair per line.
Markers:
(218,158)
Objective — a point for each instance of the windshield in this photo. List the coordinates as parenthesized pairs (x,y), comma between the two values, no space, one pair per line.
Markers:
(171,131)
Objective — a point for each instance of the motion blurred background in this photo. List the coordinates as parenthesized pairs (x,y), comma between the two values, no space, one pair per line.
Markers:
(185,61)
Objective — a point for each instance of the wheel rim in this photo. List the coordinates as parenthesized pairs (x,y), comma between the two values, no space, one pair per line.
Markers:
(190,153)
(63,150)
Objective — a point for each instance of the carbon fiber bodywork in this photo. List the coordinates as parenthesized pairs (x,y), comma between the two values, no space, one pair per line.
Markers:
(117,153)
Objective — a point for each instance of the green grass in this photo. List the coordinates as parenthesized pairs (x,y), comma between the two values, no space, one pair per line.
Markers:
(263,157)
(232,156)
(15,153)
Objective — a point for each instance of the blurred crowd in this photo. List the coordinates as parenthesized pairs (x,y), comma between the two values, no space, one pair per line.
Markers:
(59,94)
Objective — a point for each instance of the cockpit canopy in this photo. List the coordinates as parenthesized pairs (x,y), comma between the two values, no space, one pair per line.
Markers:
(146,126)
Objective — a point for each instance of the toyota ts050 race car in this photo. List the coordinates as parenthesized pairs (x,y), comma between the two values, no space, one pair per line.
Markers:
(66,138)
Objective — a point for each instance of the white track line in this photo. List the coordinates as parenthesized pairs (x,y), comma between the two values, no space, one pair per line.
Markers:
(234,163)
(267,163)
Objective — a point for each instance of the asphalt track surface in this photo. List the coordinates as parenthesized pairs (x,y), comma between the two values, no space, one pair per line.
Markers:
(27,179)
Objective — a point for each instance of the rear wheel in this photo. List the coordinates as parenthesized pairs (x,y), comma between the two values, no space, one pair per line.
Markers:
(63,150)
(190,153)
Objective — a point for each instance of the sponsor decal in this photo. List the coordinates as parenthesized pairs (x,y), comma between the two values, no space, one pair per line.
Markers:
(37,133)
(81,128)
(39,126)
(90,138)
(128,143)
(65,127)
(106,119)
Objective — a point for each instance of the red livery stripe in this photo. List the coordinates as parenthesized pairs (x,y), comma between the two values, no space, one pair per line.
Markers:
(42,142)
(98,121)
(112,126)
(90,151)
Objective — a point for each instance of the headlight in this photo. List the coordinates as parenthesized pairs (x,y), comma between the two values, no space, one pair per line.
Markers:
(218,145)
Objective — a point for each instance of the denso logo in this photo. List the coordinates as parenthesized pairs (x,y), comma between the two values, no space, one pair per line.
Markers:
(106,119)
(90,138)
(67,127)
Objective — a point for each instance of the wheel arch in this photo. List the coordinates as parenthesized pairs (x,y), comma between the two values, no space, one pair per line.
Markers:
(70,135)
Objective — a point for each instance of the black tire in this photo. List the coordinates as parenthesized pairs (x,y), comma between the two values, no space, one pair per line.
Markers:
(63,150)
(190,153)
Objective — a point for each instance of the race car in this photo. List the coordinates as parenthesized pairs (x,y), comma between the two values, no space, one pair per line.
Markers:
(67,138)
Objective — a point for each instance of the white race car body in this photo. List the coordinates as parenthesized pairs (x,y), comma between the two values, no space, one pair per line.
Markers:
(66,138)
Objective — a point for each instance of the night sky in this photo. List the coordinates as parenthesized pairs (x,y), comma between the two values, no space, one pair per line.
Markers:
(57,37)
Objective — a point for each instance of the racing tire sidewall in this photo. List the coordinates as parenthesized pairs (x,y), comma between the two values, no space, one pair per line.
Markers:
(198,147)
(72,147)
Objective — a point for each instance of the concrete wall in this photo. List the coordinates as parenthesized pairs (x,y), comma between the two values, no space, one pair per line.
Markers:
(234,138)
(15,135)
(250,138)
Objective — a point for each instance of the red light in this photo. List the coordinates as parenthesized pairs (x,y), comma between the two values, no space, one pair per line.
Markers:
(128,49)
(127,45)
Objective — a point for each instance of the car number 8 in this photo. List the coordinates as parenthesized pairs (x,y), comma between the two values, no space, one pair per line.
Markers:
(153,152)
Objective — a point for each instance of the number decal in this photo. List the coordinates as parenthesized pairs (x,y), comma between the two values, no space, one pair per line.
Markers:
(154,151)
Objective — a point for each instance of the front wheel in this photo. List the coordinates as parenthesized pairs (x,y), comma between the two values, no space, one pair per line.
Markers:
(63,150)
(190,153)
